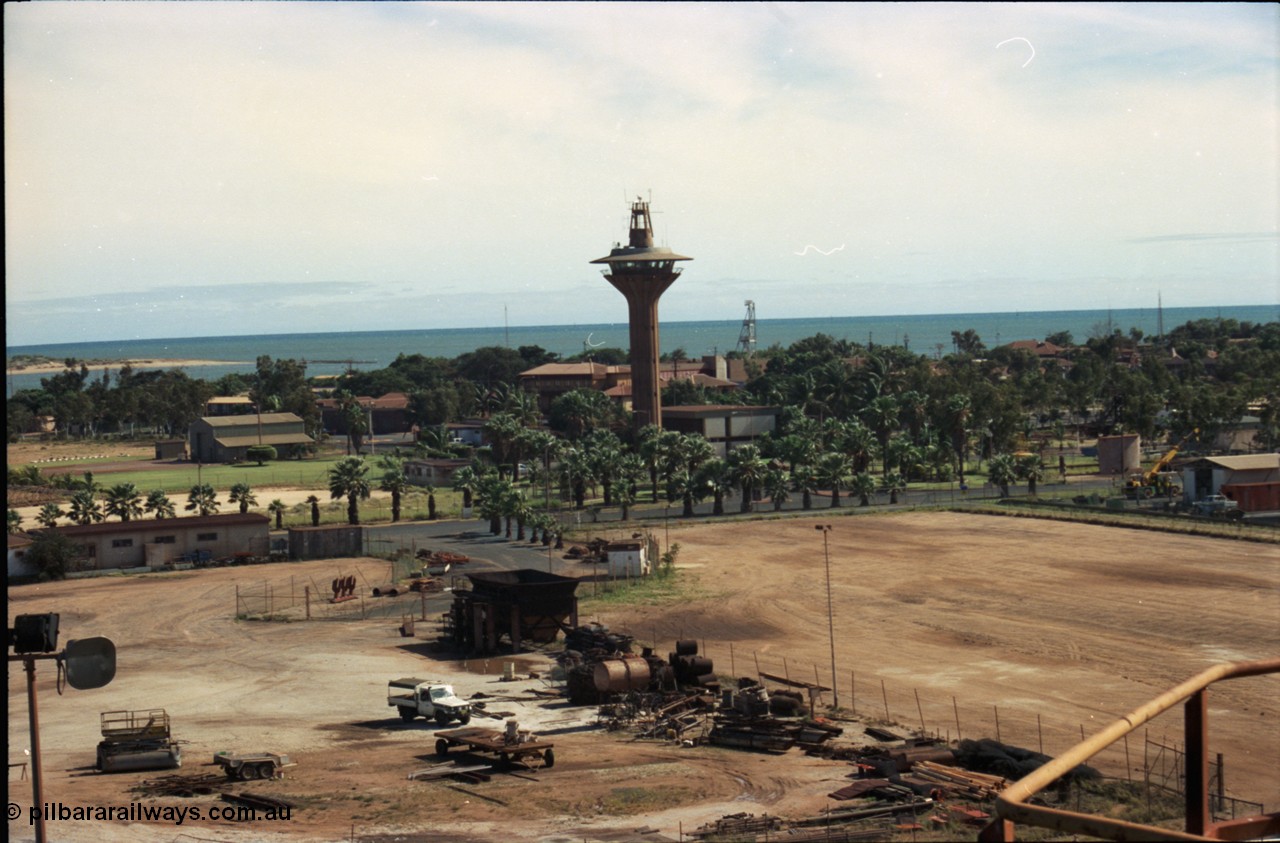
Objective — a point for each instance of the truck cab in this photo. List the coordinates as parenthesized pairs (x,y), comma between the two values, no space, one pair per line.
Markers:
(429,698)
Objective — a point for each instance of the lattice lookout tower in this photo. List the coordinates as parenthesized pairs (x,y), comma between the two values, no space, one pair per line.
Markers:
(642,272)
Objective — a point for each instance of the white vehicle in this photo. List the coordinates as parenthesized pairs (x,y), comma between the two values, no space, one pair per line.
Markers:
(429,698)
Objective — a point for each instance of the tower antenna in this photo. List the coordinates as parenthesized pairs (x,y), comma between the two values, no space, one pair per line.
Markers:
(747,336)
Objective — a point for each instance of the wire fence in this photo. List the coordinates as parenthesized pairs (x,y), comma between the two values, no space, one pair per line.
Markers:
(306,598)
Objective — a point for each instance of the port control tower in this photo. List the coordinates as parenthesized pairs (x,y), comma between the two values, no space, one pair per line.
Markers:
(642,272)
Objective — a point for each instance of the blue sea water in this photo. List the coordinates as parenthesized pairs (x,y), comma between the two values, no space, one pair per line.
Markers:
(329,353)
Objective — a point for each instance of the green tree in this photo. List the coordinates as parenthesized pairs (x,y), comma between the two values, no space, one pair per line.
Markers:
(278,508)
(864,486)
(261,453)
(14,521)
(314,503)
(466,481)
(1001,471)
(242,494)
(1032,470)
(804,479)
(123,501)
(394,481)
(776,483)
(158,503)
(53,555)
(746,468)
(896,484)
(202,500)
(349,478)
(832,472)
(49,515)
(83,508)
(713,475)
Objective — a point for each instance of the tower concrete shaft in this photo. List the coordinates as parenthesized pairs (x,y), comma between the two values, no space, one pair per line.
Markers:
(642,272)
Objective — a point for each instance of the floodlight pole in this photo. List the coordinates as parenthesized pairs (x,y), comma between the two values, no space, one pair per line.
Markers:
(831,629)
(33,716)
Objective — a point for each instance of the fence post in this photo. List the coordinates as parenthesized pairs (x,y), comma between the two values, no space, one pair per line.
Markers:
(853,698)
(237,600)
(306,595)
(996,709)
(1039,733)
(956,708)
(885,695)
(757,658)
(732,671)
(920,710)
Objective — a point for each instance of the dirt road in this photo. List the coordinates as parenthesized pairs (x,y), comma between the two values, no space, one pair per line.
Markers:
(949,619)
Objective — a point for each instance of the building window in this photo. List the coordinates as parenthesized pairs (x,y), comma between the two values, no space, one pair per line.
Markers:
(122,542)
(206,537)
(165,539)
(90,550)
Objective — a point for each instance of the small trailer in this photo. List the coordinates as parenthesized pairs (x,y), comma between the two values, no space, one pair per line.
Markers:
(509,746)
(253,765)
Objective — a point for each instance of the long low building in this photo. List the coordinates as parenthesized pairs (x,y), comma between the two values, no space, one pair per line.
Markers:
(155,542)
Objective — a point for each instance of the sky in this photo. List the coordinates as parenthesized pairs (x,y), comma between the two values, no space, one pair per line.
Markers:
(210,169)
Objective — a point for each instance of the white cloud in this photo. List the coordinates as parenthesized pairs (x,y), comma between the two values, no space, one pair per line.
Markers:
(490,147)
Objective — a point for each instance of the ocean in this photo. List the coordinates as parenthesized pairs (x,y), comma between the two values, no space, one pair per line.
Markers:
(333,353)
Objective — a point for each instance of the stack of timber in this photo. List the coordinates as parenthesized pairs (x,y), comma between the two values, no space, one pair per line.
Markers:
(738,827)
(959,782)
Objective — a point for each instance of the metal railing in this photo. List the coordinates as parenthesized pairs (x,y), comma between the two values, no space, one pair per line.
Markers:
(1012,805)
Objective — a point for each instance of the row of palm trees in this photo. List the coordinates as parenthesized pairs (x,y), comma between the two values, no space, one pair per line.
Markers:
(125,502)
(681,468)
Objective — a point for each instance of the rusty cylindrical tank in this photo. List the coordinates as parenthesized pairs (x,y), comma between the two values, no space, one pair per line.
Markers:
(615,676)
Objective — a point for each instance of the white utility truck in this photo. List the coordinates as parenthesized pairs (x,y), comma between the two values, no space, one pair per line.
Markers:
(428,698)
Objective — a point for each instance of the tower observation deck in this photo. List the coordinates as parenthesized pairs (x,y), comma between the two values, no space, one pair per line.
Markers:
(642,272)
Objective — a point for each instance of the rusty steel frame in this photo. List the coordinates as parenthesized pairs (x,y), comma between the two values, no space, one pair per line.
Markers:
(1012,808)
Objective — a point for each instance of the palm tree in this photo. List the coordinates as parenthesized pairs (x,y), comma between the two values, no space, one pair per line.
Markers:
(123,501)
(278,508)
(713,475)
(243,495)
(49,515)
(804,479)
(1031,469)
(83,508)
(431,501)
(864,486)
(158,503)
(349,478)
(650,446)
(503,430)
(746,468)
(630,472)
(1002,470)
(466,481)
(202,499)
(776,484)
(896,483)
(14,521)
(315,510)
(393,481)
(857,442)
(882,417)
(490,496)
(604,456)
(833,472)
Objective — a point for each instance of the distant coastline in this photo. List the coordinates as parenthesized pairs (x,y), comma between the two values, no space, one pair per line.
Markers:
(41,366)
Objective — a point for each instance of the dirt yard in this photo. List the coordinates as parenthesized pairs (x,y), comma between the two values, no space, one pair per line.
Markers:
(953,620)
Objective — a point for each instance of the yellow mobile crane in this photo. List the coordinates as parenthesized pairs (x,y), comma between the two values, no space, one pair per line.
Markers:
(1153,482)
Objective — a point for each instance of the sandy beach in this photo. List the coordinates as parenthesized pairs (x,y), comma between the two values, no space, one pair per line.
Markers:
(137,363)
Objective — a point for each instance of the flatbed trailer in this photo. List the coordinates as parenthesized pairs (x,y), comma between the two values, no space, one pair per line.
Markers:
(248,766)
(494,742)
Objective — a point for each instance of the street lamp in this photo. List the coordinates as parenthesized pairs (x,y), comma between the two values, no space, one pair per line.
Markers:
(831,629)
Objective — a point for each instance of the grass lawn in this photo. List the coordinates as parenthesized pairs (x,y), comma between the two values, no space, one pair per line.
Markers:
(306,474)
